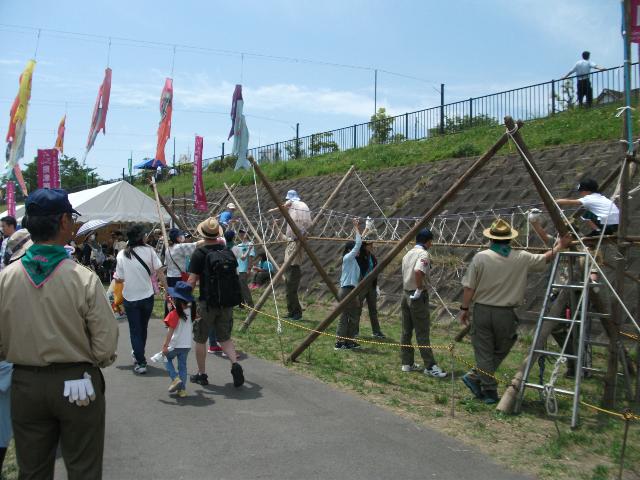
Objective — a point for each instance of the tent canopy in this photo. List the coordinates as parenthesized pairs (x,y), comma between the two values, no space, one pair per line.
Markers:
(149,164)
(118,202)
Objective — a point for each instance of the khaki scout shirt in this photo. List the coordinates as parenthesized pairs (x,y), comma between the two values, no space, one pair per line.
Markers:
(67,320)
(415,260)
(500,281)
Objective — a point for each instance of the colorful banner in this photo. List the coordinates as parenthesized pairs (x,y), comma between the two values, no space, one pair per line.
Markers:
(634,34)
(99,117)
(164,129)
(48,176)
(60,139)
(11,198)
(200,197)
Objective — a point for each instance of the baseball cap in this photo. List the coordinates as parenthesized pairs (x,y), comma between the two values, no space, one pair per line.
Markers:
(48,201)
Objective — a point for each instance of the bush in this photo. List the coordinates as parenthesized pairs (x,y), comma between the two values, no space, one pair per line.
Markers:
(228,162)
(464,150)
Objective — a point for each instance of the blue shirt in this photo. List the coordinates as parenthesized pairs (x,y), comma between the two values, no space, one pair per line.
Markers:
(239,251)
(225,217)
(350,275)
(266,265)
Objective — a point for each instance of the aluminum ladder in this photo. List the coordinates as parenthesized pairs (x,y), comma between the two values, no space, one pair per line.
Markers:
(581,323)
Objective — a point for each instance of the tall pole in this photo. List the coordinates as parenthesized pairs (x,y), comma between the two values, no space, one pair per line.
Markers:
(280,273)
(297,140)
(375,91)
(442,108)
(399,247)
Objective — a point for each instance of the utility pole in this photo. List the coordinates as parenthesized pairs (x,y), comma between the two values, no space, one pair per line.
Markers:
(442,108)
(297,140)
(375,91)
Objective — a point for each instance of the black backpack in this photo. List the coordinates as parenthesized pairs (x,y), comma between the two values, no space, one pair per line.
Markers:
(221,277)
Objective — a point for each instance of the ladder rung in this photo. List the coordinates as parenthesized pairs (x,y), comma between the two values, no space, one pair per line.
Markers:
(574,287)
(556,354)
(573,254)
(541,387)
(597,314)
(559,319)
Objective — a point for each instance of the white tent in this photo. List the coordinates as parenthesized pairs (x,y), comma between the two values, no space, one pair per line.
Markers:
(114,203)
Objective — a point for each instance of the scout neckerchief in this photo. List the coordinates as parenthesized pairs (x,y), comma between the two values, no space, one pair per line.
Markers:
(503,249)
(41,260)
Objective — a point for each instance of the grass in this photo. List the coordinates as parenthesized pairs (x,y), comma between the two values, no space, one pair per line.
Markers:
(571,127)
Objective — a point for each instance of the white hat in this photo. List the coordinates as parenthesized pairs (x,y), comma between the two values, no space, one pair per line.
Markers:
(231,205)
(293,195)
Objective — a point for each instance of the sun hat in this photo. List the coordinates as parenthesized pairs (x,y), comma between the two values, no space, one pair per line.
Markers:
(293,195)
(182,290)
(231,205)
(500,230)
(209,228)
(18,244)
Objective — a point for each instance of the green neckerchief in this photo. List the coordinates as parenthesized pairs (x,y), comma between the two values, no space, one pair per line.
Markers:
(503,249)
(41,260)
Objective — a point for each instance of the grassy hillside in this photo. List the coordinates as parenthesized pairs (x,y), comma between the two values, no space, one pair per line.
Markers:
(577,126)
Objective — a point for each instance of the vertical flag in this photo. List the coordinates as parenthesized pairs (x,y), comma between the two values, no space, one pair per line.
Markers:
(166,110)
(200,197)
(47,168)
(17,124)
(239,130)
(99,117)
(55,170)
(11,198)
(60,139)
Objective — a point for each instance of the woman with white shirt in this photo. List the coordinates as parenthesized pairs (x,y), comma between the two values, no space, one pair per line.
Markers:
(176,259)
(135,266)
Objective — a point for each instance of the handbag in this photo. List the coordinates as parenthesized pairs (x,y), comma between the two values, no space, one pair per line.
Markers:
(184,276)
(152,276)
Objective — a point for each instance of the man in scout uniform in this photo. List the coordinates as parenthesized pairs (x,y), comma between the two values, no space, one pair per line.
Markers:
(495,282)
(58,330)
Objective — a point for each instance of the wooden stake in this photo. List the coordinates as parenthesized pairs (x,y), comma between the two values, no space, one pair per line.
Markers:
(178,221)
(281,271)
(250,225)
(399,247)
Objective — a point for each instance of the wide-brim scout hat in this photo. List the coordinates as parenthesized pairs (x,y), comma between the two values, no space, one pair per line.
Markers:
(18,244)
(500,230)
(210,228)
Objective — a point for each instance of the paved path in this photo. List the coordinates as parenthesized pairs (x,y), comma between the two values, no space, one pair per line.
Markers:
(279,425)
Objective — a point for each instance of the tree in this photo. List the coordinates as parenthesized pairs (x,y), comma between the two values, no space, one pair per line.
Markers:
(323,143)
(382,126)
(72,174)
(294,149)
(566,100)
(458,124)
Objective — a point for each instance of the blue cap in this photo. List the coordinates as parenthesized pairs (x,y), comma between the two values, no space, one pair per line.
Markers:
(182,290)
(48,201)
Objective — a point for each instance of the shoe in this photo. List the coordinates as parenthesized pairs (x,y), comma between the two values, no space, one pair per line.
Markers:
(214,349)
(182,393)
(200,379)
(140,368)
(175,385)
(435,371)
(353,346)
(473,385)
(340,346)
(238,375)
(490,397)
(379,335)
(411,368)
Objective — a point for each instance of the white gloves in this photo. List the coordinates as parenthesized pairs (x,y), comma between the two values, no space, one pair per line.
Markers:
(534,214)
(416,294)
(80,391)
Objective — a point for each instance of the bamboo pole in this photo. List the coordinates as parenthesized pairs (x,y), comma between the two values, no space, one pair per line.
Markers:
(299,236)
(178,221)
(281,271)
(410,236)
(165,246)
(250,225)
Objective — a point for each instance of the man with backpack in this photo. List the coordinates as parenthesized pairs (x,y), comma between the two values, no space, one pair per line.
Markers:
(215,268)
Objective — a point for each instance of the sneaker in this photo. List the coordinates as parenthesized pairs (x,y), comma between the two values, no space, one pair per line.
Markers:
(353,346)
(340,346)
(238,375)
(140,368)
(473,385)
(490,397)
(214,349)
(435,371)
(411,368)
(175,385)
(182,393)
(379,335)
(200,379)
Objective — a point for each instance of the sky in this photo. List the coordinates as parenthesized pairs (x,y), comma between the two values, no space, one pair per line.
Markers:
(473,47)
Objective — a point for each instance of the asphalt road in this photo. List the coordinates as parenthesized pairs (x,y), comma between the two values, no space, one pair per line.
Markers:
(279,425)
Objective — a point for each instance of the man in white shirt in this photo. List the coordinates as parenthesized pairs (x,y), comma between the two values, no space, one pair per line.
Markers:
(9,226)
(582,69)
(601,213)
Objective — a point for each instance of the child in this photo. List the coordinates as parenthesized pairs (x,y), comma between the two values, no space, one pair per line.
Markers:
(263,272)
(178,340)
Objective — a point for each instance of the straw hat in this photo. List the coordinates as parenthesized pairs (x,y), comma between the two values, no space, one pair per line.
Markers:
(210,228)
(18,244)
(500,230)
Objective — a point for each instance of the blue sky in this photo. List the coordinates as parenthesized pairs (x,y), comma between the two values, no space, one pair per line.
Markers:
(474,47)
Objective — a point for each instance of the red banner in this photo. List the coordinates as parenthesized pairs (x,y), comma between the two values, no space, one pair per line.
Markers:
(47,168)
(11,198)
(200,197)
(634,34)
